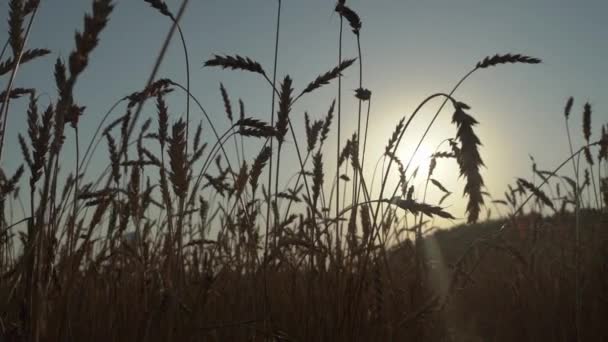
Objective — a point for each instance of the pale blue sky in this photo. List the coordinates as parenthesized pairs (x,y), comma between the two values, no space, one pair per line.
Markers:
(411,49)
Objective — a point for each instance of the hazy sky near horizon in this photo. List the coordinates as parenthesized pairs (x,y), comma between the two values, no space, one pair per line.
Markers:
(411,49)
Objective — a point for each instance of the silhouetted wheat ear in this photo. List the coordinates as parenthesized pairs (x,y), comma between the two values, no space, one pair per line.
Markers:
(423,208)
(568,107)
(603,153)
(325,78)
(163,120)
(161,6)
(29,6)
(345,153)
(16,93)
(178,159)
(27,56)
(604,190)
(317,178)
(363,94)
(15,24)
(227,105)
(469,161)
(285,101)
(327,122)
(393,139)
(160,86)
(507,58)
(241,180)
(258,166)
(88,39)
(241,109)
(354,151)
(197,136)
(588,156)
(315,129)
(39,135)
(587,121)
(312,131)
(235,63)
(114,158)
(255,128)
(351,16)
(536,191)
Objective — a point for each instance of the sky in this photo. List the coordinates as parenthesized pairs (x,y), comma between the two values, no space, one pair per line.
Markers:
(411,49)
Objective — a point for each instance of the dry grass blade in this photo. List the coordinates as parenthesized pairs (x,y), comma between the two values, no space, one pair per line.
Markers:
(235,63)
(507,58)
(439,186)
(325,78)
(444,197)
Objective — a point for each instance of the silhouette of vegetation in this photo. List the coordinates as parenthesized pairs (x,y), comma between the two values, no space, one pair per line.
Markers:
(183,238)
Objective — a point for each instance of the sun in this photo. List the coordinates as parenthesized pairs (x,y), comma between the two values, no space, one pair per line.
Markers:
(421,159)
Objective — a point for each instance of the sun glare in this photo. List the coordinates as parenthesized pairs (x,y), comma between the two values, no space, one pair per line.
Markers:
(421,160)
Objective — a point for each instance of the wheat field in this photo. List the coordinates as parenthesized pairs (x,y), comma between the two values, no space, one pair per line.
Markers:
(188,235)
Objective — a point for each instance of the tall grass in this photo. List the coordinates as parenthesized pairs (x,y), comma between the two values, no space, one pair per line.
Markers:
(173,241)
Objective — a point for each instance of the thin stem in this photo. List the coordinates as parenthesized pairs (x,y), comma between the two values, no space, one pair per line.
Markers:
(356,176)
(181,36)
(339,232)
(76,177)
(369,104)
(274,93)
(157,63)
(268,205)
